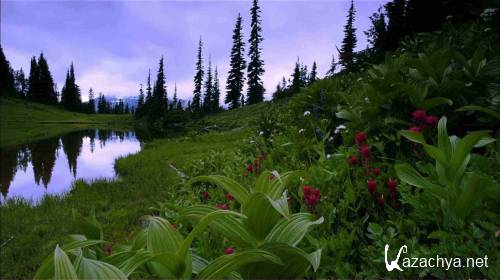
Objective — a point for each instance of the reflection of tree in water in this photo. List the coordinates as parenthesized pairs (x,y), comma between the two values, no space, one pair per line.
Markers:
(120,135)
(8,158)
(72,146)
(103,135)
(43,158)
(91,134)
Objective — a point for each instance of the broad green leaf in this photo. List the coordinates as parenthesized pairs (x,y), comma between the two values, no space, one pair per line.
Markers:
(131,264)
(407,174)
(444,143)
(413,136)
(295,263)
(93,269)
(281,205)
(481,109)
(63,268)
(464,147)
(46,270)
(436,101)
(261,215)
(90,227)
(161,236)
(223,266)
(292,230)
(198,263)
(201,227)
(229,226)
(315,259)
(239,192)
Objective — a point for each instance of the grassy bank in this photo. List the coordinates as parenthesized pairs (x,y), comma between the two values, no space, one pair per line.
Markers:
(23,121)
(145,178)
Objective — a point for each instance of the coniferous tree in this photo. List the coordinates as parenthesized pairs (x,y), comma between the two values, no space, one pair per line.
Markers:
(159,97)
(236,76)
(255,92)
(70,94)
(33,79)
(45,93)
(314,73)
(207,100)
(378,31)
(304,78)
(127,109)
(140,100)
(174,99)
(101,104)
(349,42)
(198,79)
(333,66)
(242,100)
(91,103)
(148,88)
(296,78)
(216,92)
(21,83)
(396,27)
(6,76)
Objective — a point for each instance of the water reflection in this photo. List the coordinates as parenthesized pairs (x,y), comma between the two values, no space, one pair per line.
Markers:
(49,166)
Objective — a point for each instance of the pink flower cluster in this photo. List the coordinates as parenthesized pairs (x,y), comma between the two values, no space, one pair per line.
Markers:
(365,158)
(311,196)
(421,121)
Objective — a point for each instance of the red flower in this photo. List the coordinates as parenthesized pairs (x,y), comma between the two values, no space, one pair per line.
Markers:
(222,206)
(250,168)
(307,190)
(381,200)
(206,195)
(392,185)
(419,116)
(360,138)
(352,160)
(415,129)
(376,171)
(229,197)
(311,196)
(431,121)
(372,186)
(174,226)
(229,250)
(108,248)
(365,152)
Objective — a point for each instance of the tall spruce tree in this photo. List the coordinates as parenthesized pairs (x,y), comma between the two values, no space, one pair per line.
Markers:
(296,78)
(101,104)
(6,76)
(91,103)
(378,31)
(174,99)
(46,93)
(70,94)
(314,73)
(237,65)
(255,92)
(333,67)
(21,83)
(148,87)
(140,100)
(349,42)
(198,79)
(33,79)
(208,97)
(396,27)
(216,92)
(159,97)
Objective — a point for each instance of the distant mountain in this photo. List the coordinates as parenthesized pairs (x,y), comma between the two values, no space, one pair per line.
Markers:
(131,101)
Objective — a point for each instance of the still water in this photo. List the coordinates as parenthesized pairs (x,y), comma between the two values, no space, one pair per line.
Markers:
(50,166)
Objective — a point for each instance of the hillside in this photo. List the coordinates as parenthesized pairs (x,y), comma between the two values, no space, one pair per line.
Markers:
(22,120)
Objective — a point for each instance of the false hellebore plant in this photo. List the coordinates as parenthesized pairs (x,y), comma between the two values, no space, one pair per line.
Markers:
(264,233)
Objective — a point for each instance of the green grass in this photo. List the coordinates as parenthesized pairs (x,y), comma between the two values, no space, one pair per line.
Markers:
(22,121)
(145,178)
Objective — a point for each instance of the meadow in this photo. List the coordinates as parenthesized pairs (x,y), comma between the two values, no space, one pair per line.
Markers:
(404,152)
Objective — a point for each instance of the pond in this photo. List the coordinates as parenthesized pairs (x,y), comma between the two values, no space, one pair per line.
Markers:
(50,166)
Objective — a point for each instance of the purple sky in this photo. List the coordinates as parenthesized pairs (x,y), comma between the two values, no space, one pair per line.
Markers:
(114,43)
